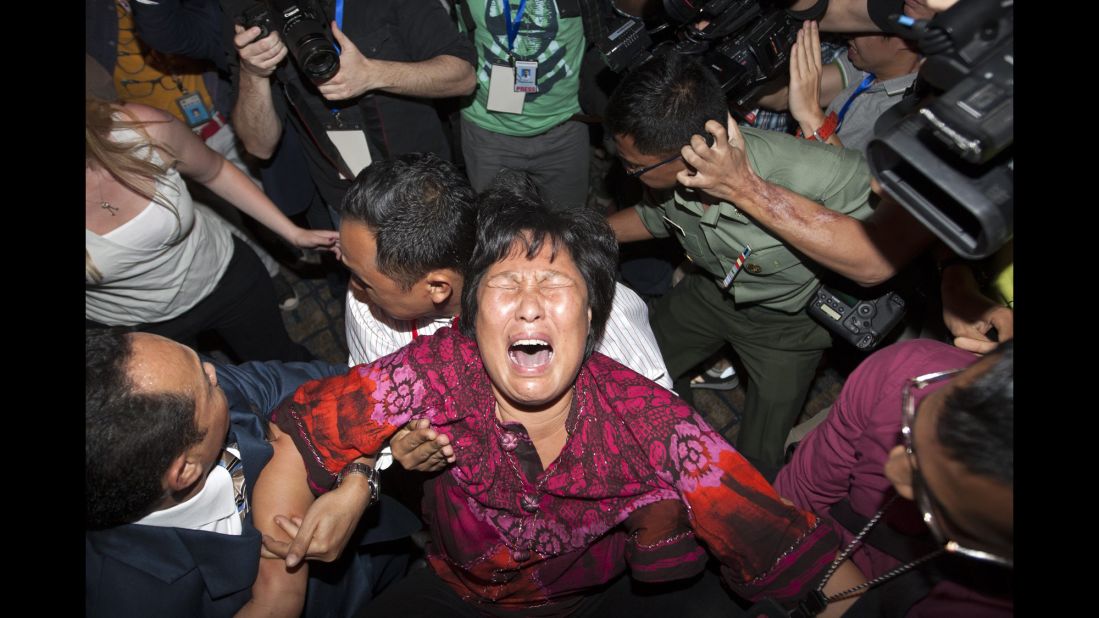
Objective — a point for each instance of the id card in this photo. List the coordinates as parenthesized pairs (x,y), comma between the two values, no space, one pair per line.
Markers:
(526,76)
(194,110)
(353,149)
(502,96)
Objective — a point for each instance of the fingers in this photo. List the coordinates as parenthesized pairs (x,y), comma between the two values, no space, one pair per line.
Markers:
(272,548)
(1003,319)
(341,39)
(975,345)
(733,136)
(260,56)
(302,540)
(814,45)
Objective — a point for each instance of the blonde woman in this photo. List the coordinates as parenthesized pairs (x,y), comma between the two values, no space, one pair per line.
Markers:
(153,260)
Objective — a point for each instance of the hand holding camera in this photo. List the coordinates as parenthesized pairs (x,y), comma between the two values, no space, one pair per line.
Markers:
(354,76)
(298,23)
(259,55)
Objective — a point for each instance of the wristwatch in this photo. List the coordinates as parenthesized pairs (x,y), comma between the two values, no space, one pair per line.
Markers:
(372,479)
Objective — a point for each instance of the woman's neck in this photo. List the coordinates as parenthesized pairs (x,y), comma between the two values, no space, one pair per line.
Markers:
(540,423)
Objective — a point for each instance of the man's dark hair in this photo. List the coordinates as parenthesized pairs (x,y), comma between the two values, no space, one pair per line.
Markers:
(513,211)
(976,425)
(130,438)
(422,212)
(665,101)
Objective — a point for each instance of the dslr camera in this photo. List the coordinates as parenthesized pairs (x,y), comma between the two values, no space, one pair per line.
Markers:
(304,31)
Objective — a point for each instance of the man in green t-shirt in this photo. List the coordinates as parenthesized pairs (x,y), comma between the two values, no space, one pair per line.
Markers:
(760,214)
(528,76)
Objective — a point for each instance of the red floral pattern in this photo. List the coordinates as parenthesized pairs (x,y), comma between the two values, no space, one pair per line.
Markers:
(633,444)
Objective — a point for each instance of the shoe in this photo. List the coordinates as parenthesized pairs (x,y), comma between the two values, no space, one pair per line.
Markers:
(725,380)
(288,298)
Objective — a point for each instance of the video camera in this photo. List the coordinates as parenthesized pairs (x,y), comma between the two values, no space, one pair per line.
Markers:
(303,29)
(947,154)
(745,43)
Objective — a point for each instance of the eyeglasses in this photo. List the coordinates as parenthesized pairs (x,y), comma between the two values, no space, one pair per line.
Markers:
(634,172)
(141,88)
(924,498)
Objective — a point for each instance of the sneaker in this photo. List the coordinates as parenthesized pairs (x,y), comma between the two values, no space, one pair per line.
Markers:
(288,298)
(718,380)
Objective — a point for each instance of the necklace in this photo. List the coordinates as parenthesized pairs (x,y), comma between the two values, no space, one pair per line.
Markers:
(104,204)
(529,501)
(815,602)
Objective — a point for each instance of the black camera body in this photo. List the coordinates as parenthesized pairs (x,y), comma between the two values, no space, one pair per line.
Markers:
(862,323)
(947,153)
(745,43)
(303,29)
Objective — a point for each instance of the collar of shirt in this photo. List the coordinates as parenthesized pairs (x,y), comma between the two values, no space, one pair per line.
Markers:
(213,508)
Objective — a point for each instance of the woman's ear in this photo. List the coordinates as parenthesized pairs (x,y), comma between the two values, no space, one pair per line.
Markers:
(898,469)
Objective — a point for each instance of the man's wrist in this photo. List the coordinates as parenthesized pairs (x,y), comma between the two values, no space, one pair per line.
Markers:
(363,476)
(825,127)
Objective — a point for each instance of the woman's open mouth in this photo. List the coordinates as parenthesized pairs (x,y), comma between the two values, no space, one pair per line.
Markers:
(530,354)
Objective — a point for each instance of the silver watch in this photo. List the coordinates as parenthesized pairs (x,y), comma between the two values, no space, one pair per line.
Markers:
(372,479)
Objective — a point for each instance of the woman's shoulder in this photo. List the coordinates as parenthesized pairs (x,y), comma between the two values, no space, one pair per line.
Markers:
(154,122)
(629,393)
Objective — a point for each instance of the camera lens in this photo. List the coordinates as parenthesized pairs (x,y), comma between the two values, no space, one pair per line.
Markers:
(318,58)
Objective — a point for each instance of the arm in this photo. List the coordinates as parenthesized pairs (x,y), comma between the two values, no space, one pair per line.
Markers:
(191,29)
(437,77)
(628,227)
(255,120)
(196,160)
(279,590)
(808,88)
(260,386)
(969,315)
(828,83)
(842,15)
(767,549)
(868,253)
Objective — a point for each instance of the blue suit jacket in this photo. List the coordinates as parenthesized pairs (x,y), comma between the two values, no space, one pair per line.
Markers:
(136,570)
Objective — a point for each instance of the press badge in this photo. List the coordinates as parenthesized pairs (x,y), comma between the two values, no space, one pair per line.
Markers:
(194,110)
(526,76)
(502,95)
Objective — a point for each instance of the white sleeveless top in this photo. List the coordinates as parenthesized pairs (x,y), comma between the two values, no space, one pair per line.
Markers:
(155,268)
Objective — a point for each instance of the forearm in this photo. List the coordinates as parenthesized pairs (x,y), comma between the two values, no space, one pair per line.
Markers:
(280,489)
(233,186)
(833,240)
(190,29)
(439,77)
(628,227)
(254,118)
(841,16)
(277,591)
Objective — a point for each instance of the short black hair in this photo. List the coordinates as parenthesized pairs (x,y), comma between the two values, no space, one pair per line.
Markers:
(421,210)
(663,102)
(976,425)
(130,438)
(513,210)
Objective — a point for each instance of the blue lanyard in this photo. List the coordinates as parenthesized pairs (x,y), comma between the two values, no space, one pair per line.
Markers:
(512,25)
(339,23)
(863,86)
